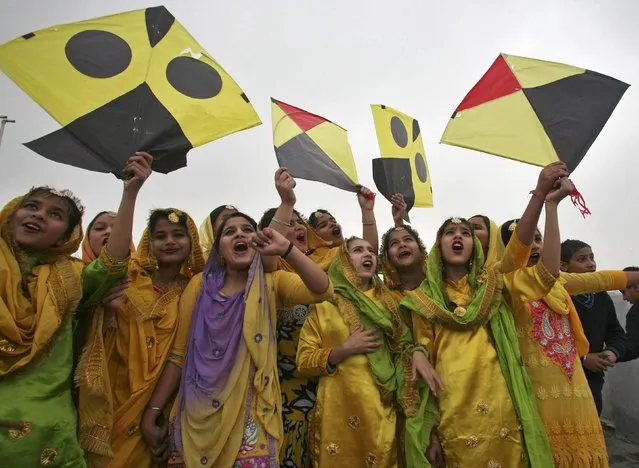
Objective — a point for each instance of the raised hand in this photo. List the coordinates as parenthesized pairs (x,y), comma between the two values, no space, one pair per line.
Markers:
(285,185)
(562,189)
(269,242)
(399,208)
(366,199)
(427,372)
(549,176)
(138,167)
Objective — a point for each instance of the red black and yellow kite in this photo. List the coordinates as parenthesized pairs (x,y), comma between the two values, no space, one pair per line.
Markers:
(135,81)
(534,111)
(312,147)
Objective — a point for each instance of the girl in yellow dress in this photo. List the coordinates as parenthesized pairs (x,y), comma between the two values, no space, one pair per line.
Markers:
(552,341)
(461,318)
(298,393)
(362,352)
(229,409)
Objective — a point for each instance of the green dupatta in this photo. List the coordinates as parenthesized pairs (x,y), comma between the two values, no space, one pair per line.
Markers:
(488,305)
(391,364)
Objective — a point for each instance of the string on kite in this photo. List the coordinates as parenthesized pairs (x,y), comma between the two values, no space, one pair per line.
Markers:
(577,199)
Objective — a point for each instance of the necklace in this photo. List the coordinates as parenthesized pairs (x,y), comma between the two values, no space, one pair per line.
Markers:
(586,300)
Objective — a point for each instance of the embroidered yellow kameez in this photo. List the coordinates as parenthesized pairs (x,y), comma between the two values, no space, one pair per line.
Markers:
(550,338)
(352,425)
(122,361)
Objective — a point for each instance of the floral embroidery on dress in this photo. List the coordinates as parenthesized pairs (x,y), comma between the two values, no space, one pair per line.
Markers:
(256,462)
(250,438)
(552,332)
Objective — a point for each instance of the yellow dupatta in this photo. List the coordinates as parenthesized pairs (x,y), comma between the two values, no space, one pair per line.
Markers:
(54,290)
(110,408)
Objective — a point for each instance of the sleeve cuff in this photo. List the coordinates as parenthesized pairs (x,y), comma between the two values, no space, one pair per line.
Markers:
(517,247)
(176,359)
(111,264)
(614,350)
(546,278)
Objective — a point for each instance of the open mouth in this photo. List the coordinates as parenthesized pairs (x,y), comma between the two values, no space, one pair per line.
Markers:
(301,237)
(241,246)
(458,247)
(32,227)
(534,257)
(405,254)
(337,231)
(367,264)
(105,240)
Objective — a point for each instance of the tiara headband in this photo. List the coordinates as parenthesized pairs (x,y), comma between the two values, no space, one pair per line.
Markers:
(68,194)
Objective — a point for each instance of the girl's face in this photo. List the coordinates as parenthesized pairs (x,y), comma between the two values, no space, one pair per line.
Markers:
(221,217)
(40,222)
(328,229)
(100,231)
(234,246)
(403,249)
(481,231)
(170,243)
(363,258)
(537,247)
(457,244)
(297,233)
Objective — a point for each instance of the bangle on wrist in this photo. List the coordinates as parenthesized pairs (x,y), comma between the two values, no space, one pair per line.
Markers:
(154,408)
(280,222)
(288,250)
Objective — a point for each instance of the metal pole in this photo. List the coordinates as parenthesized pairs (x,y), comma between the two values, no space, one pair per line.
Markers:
(4,121)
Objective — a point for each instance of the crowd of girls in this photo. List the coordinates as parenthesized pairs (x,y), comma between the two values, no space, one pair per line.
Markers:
(285,343)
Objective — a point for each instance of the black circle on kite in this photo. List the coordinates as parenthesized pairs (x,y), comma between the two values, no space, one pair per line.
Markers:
(416,130)
(98,54)
(420,167)
(399,132)
(193,78)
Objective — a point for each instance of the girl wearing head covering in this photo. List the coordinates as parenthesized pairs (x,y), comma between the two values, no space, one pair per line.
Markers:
(41,289)
(121,363)
(488,414)
(362,352)
(229,409)
(210,226)
(552,341)
(41,293)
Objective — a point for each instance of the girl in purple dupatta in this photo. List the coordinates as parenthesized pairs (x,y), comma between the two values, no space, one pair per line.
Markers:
(228,410)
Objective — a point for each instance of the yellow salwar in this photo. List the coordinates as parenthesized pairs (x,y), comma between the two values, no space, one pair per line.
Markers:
(251,412)
(351,425)
(551,340)
(298,392)
(126,357)
(478,426)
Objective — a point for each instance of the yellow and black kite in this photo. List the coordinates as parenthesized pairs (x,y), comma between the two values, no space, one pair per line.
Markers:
(312,147)
(534,111)
(135,81)
(402,167)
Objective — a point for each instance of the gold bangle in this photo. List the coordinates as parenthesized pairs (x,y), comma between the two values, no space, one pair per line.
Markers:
(280,222)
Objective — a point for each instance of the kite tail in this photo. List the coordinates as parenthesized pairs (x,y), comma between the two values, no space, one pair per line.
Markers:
(577,199)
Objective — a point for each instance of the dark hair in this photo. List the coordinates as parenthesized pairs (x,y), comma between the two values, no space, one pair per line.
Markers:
(213,215)
(269,214)
(631,268)
(505,231)
(569,247)
(312,220)
(75,214)
(486,220)
(237,214)
(383,252)
(164,213)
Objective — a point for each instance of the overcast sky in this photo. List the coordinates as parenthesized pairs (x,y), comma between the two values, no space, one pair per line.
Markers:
(335,58)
